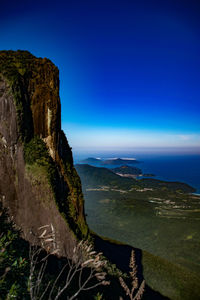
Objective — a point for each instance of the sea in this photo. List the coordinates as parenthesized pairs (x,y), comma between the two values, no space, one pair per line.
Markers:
(169,167)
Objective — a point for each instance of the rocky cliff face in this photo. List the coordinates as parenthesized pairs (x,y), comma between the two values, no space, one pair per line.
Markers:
(38,182)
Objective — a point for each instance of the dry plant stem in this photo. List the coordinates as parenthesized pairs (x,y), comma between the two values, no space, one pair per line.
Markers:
(35,287)
(83,258)
(134,282)
(57,278)
(82,286)
(34,253)
(46,289)
(70,276)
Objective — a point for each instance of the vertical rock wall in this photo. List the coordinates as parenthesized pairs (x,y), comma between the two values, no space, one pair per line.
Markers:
(38,182)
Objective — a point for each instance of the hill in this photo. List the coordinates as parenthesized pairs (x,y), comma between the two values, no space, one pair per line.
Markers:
(126,170)
(91,161)
(98,176)
(109,162)
(120,161)
(94,176)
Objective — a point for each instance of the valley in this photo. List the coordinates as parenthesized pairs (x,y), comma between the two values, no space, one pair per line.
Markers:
(161,218)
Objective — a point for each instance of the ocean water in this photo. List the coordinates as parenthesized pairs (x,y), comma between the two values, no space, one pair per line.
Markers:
(184,168)
(173,167)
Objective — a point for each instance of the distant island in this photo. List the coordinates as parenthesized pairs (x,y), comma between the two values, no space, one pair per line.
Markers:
(127,171)
(111,161)
(122,168)
(120,161)
(91,161)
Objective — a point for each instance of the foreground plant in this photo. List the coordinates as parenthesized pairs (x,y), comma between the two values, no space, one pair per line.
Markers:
(135,292)
(85,265)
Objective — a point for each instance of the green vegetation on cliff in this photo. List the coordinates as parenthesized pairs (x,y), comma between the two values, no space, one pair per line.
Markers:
(41,165)
(14,266)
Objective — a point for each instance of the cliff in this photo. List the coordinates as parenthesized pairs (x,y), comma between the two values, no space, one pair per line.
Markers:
(38,182)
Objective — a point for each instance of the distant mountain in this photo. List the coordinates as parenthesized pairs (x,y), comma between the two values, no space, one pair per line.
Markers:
(120,161)
(97,176)
(127,170)
(91,160)
(109,162)
(94,177)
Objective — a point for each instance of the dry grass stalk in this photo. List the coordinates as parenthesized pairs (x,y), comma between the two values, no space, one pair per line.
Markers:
(136,292)
(84,258)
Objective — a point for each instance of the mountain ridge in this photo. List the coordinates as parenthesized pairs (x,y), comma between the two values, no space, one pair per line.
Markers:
(113,161)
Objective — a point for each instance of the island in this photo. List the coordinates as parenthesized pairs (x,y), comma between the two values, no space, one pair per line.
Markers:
(111,161)
(91,161)
(127,171)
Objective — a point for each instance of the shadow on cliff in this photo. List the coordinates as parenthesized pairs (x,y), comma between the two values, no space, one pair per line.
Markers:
(119,254)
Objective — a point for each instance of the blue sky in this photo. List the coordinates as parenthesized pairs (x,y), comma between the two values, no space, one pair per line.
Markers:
(129,70)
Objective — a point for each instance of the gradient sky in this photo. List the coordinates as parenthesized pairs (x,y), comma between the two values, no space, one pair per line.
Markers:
(129,70)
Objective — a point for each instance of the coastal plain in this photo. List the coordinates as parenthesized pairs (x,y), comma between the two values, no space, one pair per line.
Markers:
(160,218)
